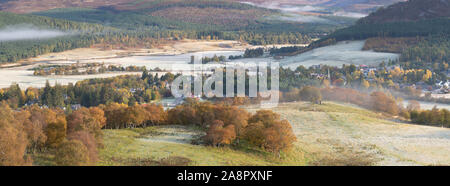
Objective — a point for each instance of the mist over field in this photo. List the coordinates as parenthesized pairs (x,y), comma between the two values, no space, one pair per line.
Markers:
(28,32)
(302,18)
(292,10)
(286,8)
(350,14)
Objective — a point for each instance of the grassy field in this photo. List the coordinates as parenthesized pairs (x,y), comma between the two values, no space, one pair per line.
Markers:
(328,134)
(150,145)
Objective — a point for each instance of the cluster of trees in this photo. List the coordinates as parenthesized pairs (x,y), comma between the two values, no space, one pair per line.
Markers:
(391,44)
(378,101)
(351,85)
(12,51)
(252,53)
(198,4)
(432,53)
(16,50)
(306,93)
(425,53)
(386,103)
(275,37)
(128,90)
(249,53)
(73,138)
(215,58)
(123,116)
(286,51)
(227,125)
(84,69)
(434,117)
(392,29)
(268,131)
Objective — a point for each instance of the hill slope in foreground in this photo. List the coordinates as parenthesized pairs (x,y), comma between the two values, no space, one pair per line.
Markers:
(328,134)
(340,134)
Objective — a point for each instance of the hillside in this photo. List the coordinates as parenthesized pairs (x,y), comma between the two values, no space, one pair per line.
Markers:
(362,6)
(428,19)
(404,19)
(421,36)
(172,14)
(343,134)
(144,23)
(61,35)
(150,22)
(333,134)
(28,6)
(412,10)
(7,19)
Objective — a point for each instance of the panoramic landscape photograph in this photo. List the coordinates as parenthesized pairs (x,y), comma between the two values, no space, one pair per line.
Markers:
(194,83)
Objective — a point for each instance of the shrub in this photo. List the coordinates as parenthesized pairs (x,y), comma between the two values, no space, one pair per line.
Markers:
(72,153)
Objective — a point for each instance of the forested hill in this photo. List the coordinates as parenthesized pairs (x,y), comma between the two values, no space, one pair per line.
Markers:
(417,29)
(412,10)
(28,6)
(72,35)
(404,19)
(8,19)
(142,23)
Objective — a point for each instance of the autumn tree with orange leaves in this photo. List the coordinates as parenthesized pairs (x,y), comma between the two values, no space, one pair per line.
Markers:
(267,131)
(217,134)
(13,139)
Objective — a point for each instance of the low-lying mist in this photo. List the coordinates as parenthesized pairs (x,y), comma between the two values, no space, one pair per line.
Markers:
(293,13)
(28,32)
(303,18)
(286,8)
(297,13)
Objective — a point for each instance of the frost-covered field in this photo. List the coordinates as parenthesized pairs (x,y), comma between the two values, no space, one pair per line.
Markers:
(341,134)
(26,79)
(335,55)
(339,54)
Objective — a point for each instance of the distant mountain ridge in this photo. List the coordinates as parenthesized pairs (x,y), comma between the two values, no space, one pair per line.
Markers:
(412,10)
(29,6)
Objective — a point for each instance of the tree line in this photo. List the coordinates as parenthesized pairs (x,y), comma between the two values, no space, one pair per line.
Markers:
(82,69)
(75,137)
(128,90)
(227,125)
(378,101)
(386,103)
